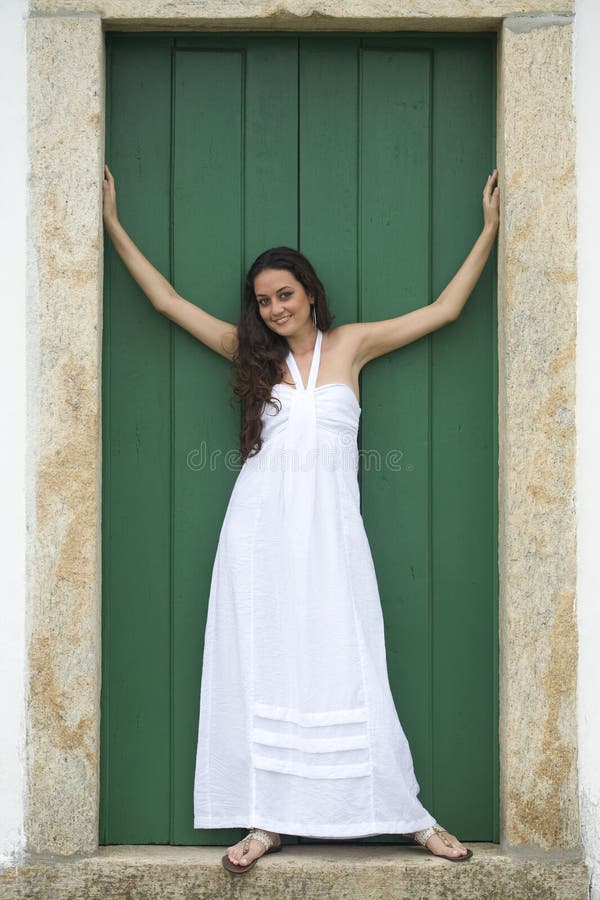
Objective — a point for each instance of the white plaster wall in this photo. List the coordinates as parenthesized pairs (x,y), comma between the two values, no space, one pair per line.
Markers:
(13,171)
(587,88)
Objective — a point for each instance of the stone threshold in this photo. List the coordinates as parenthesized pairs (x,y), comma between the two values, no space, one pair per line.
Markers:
(299,872)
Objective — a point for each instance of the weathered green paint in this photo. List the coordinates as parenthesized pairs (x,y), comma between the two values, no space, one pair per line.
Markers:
(369,154)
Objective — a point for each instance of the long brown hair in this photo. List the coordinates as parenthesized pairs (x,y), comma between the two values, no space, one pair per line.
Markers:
(260,353)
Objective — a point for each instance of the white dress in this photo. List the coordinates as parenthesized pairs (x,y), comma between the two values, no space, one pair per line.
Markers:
(298,732)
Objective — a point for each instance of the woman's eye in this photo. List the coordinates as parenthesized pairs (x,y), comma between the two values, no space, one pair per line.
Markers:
(266,299)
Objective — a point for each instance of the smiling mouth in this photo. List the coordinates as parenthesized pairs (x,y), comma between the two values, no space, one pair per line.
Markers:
(283,319)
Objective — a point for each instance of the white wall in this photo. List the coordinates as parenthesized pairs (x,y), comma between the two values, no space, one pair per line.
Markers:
(13,170)
(587,91)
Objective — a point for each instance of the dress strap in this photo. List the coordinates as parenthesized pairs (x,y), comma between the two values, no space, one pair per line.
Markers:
(314,366)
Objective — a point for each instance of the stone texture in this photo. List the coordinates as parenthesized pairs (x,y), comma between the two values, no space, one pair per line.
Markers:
(305,872)
(65,99)
(537,333)
(368,15)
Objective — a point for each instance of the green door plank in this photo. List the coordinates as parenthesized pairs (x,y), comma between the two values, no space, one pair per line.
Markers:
(463,457)
(394,204)
(135,751)
(328,108)
(271,151)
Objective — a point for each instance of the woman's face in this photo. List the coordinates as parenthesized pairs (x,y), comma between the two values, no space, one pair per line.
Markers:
(283,303)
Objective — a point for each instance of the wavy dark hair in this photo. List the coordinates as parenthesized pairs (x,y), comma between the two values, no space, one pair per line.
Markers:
(260,354)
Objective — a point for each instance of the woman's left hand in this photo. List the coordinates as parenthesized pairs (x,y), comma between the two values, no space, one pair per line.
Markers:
(491,201)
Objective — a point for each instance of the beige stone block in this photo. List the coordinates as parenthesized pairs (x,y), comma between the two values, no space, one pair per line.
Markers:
(65,100)
(307,15)
(537,333)
(304,872)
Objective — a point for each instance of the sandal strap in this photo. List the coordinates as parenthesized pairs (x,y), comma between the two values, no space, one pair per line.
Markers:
(421,837)
(259,835)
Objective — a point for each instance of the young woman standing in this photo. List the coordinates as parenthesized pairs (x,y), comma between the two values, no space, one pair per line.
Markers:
(298,732)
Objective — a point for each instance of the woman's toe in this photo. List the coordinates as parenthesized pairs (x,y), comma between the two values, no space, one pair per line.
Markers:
(235,854)
(252,853)
(440,848)
(457,848)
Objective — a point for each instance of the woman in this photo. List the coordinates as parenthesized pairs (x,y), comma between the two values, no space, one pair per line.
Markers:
(298,731)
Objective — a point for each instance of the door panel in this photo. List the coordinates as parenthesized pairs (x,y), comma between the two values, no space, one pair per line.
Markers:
(463,457)
(369,154)
(135,797)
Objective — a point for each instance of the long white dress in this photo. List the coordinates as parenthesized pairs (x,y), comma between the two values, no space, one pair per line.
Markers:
(298,732)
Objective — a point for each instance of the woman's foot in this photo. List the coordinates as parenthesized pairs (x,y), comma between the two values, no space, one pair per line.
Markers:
(256,849)
(440,848)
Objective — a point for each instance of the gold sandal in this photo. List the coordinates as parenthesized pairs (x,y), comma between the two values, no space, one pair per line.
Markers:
(421,837)
(259,835)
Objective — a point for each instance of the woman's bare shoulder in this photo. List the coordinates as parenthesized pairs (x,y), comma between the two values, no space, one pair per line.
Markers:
(344,341)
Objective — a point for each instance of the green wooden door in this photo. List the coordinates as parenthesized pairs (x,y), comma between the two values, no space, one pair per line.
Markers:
(368,153)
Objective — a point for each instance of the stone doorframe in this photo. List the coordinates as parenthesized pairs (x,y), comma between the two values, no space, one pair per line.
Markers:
(536,331)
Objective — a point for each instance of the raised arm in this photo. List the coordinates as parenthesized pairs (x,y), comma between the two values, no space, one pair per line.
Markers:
(372,339)
(217,334)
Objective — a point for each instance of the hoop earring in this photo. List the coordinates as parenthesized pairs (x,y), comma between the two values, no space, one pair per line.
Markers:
(313,313)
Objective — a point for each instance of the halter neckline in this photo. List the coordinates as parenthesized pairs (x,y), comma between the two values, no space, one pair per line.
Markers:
(314,366)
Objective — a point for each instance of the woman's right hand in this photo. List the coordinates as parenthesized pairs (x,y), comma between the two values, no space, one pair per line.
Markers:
(109,202)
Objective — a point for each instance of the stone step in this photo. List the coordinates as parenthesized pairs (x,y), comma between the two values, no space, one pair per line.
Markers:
(300,872)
